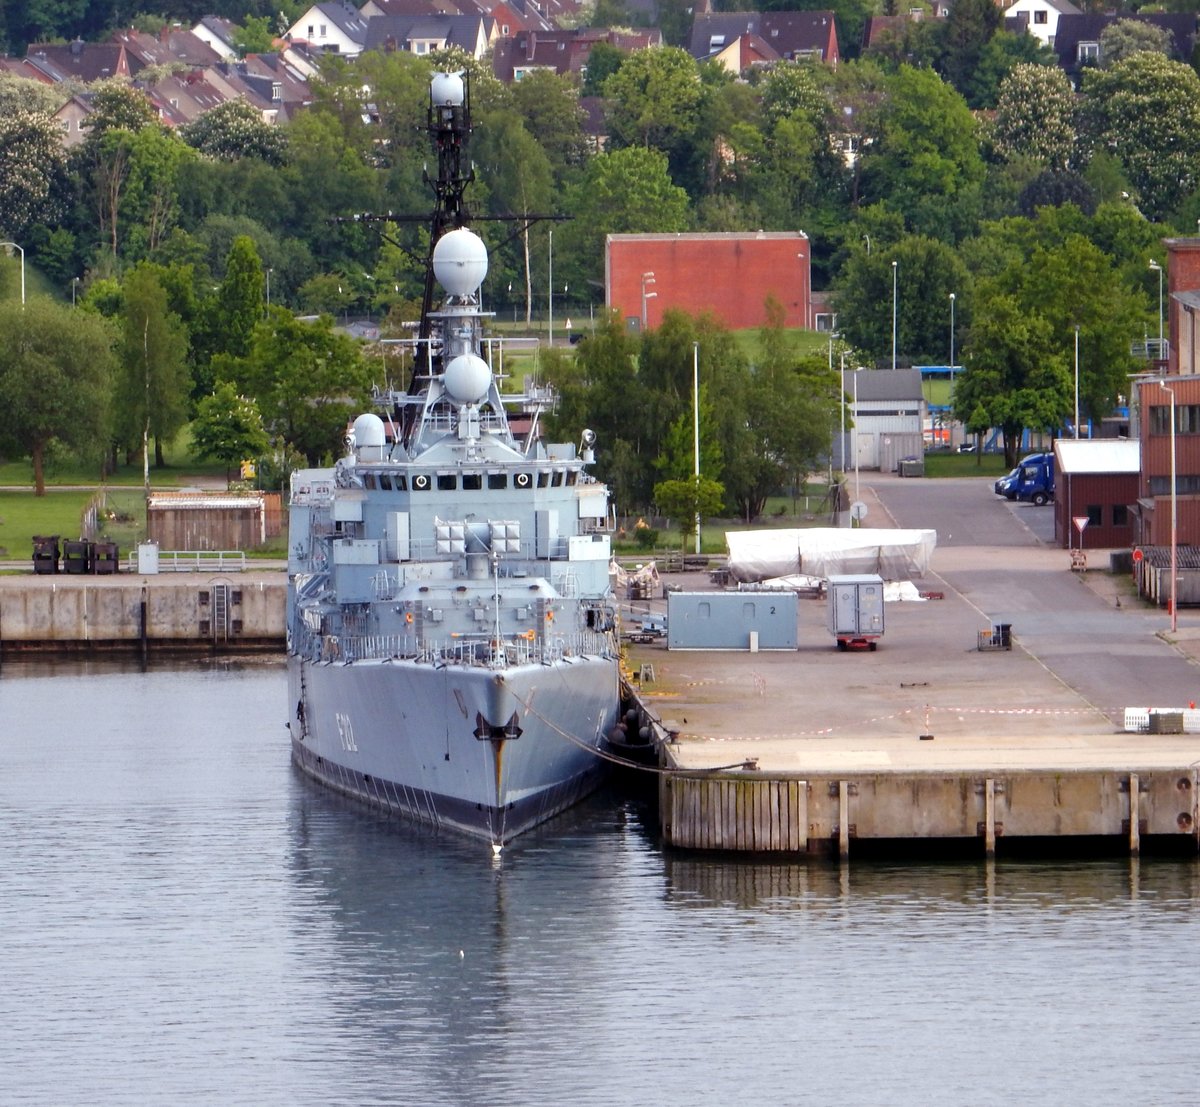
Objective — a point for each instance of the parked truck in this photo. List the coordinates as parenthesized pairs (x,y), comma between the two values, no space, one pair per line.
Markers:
(856,610)
(1032,480)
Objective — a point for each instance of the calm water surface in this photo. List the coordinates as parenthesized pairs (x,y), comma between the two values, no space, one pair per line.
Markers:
(184,918)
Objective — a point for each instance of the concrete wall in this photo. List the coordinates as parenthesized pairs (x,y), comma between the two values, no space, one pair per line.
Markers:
(36,613)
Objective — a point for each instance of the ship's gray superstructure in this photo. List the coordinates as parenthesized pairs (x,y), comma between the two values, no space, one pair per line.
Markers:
(451,640)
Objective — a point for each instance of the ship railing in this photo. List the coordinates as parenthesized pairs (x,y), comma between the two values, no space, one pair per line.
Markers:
(495,652)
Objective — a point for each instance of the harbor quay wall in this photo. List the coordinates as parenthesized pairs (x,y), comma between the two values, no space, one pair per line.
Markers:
(825,814)
(180,612)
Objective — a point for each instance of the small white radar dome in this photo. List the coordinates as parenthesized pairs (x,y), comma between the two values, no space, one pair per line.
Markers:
(368,432)
(460,262)
(467,379)
(447,90)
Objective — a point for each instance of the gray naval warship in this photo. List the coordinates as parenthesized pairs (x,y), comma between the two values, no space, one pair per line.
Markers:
(452,650)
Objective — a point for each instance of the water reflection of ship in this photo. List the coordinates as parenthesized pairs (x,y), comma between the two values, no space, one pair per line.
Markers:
(386,917)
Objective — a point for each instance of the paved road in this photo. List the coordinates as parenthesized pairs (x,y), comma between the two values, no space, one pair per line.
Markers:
(1089,630)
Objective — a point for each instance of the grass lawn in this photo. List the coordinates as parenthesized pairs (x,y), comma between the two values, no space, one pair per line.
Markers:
(23,515)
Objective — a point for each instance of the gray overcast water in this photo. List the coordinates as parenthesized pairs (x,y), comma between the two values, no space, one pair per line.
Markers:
(185,919)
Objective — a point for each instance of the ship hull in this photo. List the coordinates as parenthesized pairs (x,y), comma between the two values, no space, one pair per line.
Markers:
(485,752)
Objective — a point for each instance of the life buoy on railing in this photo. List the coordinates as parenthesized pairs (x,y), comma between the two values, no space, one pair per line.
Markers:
(522,480)
(530,634)
(408,617)
(420,482)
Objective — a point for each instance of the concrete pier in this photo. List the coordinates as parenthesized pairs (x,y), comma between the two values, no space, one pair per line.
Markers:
(931,738)
(151,613)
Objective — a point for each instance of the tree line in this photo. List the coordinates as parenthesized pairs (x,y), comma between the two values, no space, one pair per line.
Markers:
(1039,218)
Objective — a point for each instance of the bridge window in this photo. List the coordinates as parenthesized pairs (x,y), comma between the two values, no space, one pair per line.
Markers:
(447,482)
(472,482)
(497,480)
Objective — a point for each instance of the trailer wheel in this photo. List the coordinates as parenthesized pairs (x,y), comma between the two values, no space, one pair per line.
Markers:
(1040,498)
(871,646)
(842,644)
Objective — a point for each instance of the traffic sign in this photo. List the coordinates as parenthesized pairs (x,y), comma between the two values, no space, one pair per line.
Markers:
(1138,555)
(1080,522)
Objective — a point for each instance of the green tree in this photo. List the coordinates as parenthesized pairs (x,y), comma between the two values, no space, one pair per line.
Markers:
(308,381)
(926,161)
(688,500)
(55,375)
(254,36)
(549,105)
(1035,116)
(604,60)
(32,171)
(234,129)
(653,100)
(1145,110)
(152,384)
(228,427)
(1126,37)
(622,192)
(1015,372)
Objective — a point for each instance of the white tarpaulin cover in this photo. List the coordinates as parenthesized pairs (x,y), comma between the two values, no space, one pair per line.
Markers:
(829,551)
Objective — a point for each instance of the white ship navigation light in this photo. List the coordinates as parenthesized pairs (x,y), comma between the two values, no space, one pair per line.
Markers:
(589,440)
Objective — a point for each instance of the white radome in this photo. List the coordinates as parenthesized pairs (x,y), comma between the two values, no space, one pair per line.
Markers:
(467,379)
(460,261)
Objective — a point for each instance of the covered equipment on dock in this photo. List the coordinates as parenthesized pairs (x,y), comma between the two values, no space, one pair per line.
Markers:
(828,551)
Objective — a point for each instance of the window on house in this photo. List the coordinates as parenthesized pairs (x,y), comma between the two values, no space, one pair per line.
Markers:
(324,30)
(504,29)
(1041,17)
(311,31)
(276,90)
(825,321)
(1088,52)
(420,48)
(66,126)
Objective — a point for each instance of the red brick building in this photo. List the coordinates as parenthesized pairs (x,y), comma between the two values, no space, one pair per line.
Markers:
(1095,479)
(728,274)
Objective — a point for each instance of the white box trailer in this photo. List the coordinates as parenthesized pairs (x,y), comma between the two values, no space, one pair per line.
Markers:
(856,610)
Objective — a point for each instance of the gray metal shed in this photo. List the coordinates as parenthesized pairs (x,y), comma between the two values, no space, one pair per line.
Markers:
(732,620)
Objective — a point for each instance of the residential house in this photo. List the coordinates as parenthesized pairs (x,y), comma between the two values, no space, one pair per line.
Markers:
(217,33)
(1077,39)
(79,61)
(561,51)
(334,28)
(1038,17)
(71,118)
(373,9)
(423,34)
(1096,480)
(770,36)
(173,46)
(730,274)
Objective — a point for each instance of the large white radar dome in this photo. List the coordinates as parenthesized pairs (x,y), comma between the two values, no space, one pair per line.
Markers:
(467,378)
(447,90)
(368,431)
(460,261)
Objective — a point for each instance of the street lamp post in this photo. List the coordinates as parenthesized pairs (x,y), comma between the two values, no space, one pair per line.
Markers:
(269,272)
(647,279)
(550,282)
(952,330)
(895,289)
(1077,380)
(696,430)
(14,246)
(1156,268)
(1174,512)
(74,289)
